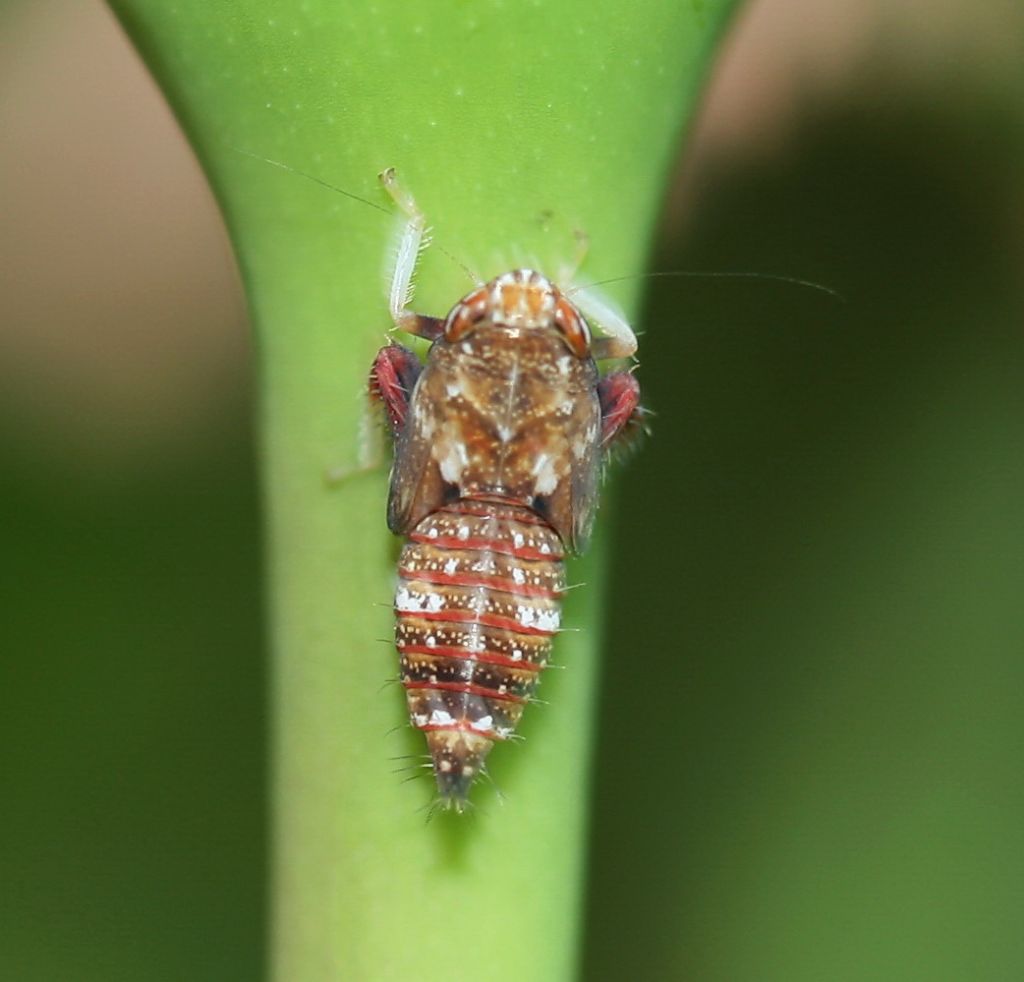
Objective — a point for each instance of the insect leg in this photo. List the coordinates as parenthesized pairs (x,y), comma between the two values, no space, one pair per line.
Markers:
(621,412)
(413,240)
(567,271)
(619,341)
(392,379)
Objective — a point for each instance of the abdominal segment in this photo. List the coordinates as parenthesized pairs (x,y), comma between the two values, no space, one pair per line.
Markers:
(477,603)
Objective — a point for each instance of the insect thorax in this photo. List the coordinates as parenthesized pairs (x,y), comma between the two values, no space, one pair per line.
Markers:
(507,412)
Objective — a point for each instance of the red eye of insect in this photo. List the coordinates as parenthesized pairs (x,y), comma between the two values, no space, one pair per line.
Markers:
(466,315)
(573,327)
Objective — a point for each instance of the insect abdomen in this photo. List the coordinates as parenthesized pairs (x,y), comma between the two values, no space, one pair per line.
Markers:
(477,603)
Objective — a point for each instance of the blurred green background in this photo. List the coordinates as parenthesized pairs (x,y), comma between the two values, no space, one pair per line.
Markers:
(810,756)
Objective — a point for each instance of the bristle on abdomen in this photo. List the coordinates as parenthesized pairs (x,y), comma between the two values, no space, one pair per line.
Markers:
(478,600)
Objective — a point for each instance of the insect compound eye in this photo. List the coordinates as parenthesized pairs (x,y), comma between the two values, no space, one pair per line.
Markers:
(466,315)
(574,328)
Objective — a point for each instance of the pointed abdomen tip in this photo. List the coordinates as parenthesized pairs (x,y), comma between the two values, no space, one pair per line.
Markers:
(458,757)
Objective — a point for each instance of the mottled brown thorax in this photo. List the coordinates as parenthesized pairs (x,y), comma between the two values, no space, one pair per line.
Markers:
(514,414)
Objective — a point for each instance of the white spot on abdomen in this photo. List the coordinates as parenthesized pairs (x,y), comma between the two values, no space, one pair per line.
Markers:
(411,602)
(408,601)
(542,620)
(548,620)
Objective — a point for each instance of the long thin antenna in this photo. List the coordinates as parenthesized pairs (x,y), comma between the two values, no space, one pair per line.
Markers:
(693,274)
(309,177)
(347,194)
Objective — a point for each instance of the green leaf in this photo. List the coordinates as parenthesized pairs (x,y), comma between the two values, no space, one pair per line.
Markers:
(516,126)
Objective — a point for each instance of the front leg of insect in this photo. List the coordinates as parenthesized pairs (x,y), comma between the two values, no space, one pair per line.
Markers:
(499,440)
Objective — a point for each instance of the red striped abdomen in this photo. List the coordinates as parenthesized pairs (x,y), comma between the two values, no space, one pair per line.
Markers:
(478,599)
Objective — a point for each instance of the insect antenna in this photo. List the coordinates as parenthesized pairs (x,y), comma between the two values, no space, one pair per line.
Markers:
(309,177)
(354,197)
(720,275)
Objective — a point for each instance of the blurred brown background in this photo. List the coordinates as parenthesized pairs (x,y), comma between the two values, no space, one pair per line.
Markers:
(820,671)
